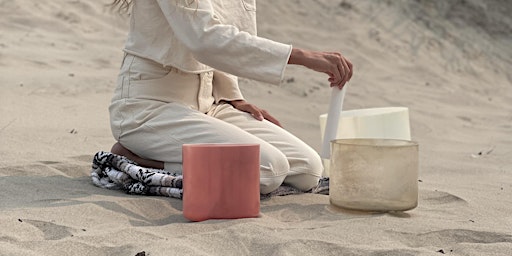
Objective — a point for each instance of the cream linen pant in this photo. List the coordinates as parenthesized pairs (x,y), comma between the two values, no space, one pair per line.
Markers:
(156,109)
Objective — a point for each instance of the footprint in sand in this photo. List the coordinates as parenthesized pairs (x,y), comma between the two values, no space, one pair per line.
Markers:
(51,231)
(451,236)
(429,197)
(73,169)
(300,246)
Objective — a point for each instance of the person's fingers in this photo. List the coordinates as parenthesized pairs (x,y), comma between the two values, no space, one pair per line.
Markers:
(255,112)
(270,118)
(345,77)
(342,69)
(332,80)
(349,73)
(351,67)
(333,67)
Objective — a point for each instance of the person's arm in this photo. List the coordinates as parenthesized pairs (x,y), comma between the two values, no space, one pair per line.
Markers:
(224,47)
(338,68)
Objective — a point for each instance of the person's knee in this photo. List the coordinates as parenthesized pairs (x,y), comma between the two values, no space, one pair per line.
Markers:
(273,171)
(302,181)
(316,163)
(305,172)
(269,184)
(311,164)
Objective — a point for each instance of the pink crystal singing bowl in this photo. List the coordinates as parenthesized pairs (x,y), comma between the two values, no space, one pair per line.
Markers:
(221,181)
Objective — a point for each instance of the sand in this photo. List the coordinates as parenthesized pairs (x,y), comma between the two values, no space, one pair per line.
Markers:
(449,62)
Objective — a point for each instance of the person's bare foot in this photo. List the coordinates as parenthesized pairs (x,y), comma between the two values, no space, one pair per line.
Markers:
(118,149)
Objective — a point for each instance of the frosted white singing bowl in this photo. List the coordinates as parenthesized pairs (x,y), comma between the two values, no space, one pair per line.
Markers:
(374,174)
(384,123)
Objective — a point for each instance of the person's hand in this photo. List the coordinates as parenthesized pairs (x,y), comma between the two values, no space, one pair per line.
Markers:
(256,112)
(334,64)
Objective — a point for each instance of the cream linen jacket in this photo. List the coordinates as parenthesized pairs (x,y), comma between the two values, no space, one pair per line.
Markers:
(207,35)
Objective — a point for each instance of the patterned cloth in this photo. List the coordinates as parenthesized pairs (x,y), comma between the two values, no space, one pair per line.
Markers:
(113,171)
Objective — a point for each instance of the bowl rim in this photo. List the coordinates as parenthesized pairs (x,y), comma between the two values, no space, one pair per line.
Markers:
(377,142)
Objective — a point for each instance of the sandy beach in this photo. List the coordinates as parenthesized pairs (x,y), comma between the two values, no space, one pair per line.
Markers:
(449,62)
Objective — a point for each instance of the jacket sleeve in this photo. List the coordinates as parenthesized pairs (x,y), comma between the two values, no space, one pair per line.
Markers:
(224,47)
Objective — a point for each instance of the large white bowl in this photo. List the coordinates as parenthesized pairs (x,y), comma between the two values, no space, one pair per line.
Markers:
(377,123)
